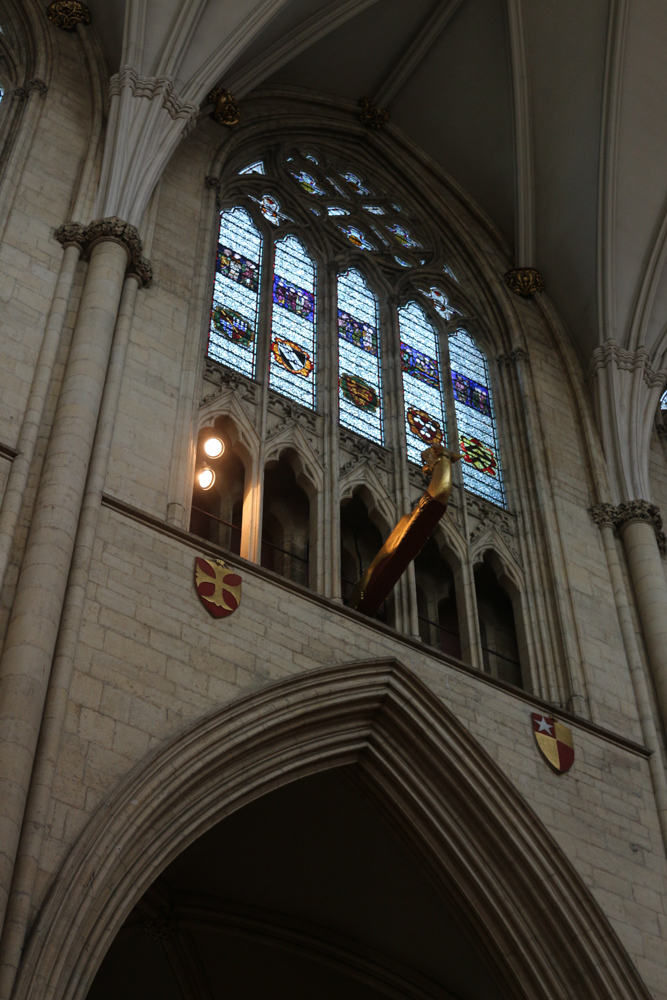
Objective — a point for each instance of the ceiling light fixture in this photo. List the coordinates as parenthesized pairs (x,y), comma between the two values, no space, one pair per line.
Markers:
(214,447)
(206,478)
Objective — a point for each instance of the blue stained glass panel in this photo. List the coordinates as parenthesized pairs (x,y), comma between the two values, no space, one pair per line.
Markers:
(359,381)
(357,238)
(292,366)
(232,335)
(403,263)
(663,401)
(337,210)
(374,209)
(254,168)
(355,183)
(424,413)
(419,365)
(307,182)
(476,422)
(401,234)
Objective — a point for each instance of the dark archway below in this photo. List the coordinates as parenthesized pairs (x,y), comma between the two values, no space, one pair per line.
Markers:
(307,891)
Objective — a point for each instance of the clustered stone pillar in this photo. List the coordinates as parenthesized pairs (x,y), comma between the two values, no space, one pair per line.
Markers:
(640,526)
(111,246)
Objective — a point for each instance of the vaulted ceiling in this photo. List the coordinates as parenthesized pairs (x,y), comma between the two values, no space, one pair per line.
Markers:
(549,114)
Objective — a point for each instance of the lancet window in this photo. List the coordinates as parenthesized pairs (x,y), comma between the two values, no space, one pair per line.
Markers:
(359,379)
(422,389)
(292,371)
(475,419)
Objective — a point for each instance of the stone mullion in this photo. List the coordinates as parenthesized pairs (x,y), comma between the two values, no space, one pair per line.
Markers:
(535,617)
(407,619)
(33,626)
(253,502)
(464,581)
(330,567)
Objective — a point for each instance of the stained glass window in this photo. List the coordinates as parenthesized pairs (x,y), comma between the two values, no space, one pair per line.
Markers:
(254,168)
(337,210)
(401,234)
(474,415)
(374,209)
(403,263)
(663,401)
(422,392)
(270,209)
(313,159)
(449,271)
(357,238)
(292,369)
(355,183)
(307,182)
(360,390)
(232,335)
(336,186)
(441,303)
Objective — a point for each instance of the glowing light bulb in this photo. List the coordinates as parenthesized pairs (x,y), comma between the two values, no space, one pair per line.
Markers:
(214,447)
(206,478)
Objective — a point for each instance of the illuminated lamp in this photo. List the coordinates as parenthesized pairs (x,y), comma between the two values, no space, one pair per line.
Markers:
(206,478)
(214,447)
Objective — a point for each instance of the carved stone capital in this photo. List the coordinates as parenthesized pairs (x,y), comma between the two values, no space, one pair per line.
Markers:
(66,14)
(71,234)
(512,359)
(372,116)
(632,510)
(604,513)
(112,230)
(225,107)
(33,87)
(524,281)
(141,270)
(610,355)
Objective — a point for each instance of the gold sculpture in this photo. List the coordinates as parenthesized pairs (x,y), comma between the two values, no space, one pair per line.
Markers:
(66,14)
(410,534)
(525,281)
(225,107)
(371,115)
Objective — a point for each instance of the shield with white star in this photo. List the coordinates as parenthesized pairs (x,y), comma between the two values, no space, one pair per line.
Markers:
(554,740)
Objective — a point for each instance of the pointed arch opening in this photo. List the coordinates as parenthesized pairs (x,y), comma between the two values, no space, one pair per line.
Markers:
(479,844)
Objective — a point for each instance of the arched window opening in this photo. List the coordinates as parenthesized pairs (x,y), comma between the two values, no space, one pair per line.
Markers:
(360,541)
(360,390)
(422,393)
(292,371)
(436,601)
(285,524)
(500,646)
(234,313)
(663,402)
(475,418)
(217,512)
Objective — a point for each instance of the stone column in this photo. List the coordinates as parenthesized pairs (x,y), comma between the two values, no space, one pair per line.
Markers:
(31,636)
(605,516)
(640,526)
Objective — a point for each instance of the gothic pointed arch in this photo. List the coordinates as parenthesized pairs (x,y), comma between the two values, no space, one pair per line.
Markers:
(481,844)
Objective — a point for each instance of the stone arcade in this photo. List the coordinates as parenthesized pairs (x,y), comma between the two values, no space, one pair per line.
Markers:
(257,256)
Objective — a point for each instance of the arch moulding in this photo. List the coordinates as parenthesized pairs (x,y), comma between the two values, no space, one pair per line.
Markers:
(473,833)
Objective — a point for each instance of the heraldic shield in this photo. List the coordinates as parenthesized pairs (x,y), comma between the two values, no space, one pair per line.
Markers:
(554,740)
(218,586)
